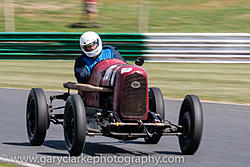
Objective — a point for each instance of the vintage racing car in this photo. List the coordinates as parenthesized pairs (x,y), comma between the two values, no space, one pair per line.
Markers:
(116,103)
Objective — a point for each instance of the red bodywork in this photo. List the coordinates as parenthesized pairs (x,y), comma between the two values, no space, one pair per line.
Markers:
(130,96)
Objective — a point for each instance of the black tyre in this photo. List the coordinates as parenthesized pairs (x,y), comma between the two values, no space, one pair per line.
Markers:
(157,133)
(156,102)
(191,119)
(75,125)
(37,119)
(156,105)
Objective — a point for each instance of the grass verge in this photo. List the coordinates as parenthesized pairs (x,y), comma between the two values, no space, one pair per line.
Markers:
(213,82)
(122,16)
(2,164)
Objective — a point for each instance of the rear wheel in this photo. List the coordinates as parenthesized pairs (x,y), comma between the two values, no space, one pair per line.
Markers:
(75,125)
(157,133)
(191,120)
(37,118)
(156,102)
(156,105)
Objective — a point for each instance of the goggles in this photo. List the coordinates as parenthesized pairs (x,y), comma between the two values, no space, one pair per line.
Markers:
(91,46)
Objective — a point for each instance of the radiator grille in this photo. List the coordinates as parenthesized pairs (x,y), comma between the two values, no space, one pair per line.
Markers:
(134,99)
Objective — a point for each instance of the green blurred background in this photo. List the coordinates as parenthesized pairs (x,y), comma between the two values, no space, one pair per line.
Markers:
(215,82)
(122,15)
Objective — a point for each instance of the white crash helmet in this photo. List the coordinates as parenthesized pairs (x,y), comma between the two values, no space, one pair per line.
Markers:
(91,44)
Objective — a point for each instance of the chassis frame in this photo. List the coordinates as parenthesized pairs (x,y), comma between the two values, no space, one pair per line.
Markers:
(39,116)
(170,129)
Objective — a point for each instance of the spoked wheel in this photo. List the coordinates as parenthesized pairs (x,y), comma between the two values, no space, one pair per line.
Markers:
(156,105)
(37,118)
(75,125)
(191,120)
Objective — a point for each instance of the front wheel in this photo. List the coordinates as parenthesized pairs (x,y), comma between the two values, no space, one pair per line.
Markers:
(191,120)
(75,125)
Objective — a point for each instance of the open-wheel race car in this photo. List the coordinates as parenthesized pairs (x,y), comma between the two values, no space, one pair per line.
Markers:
(116,103)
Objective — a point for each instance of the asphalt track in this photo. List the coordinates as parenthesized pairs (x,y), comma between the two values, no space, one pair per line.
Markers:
(225,141)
